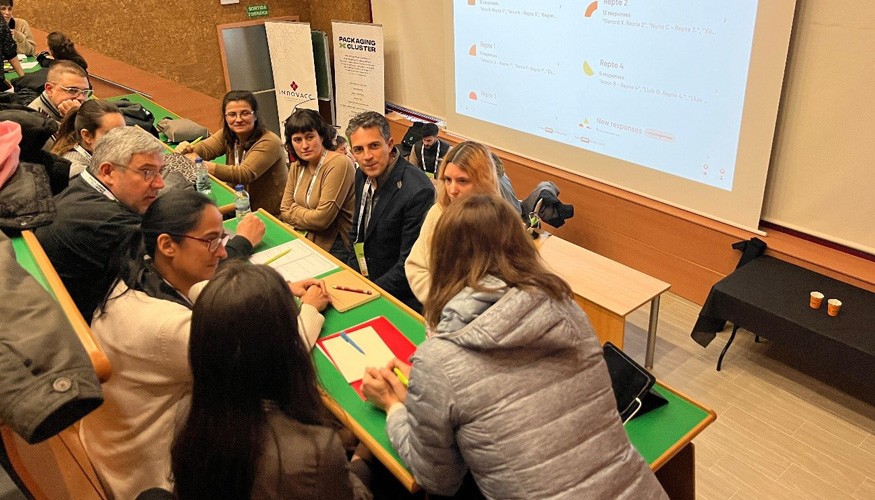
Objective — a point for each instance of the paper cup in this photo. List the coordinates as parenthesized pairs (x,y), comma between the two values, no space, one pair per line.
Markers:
(833,306)
(816,299)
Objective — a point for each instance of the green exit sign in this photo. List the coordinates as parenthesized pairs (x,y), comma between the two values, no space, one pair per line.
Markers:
(256,11)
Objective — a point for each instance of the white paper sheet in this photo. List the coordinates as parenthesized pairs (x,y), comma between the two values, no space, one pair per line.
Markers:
(300,263)
(352,363)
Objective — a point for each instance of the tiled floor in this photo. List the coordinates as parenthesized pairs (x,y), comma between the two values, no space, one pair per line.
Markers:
(779,433)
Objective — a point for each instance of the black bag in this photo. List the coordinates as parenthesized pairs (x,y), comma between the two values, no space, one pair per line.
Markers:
(632,384)
(414,134)
(136,115)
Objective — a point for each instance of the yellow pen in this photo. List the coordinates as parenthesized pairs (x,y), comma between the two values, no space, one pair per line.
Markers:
(277,256)
(196,141)
(401,376)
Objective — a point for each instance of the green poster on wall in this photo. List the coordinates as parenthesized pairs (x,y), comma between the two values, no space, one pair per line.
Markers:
(256,11)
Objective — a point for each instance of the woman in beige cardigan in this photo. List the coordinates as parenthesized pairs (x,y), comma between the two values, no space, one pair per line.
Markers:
(254,155)
(466,169)
(319,199)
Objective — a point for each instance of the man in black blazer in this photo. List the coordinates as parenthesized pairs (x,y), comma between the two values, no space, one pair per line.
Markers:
(392,197)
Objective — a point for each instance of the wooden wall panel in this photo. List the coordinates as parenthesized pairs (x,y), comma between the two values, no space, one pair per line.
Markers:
(689,251)
(322,12)
(176,41)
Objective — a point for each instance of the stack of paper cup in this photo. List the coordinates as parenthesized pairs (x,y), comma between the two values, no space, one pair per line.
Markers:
(833,306)
(816,299)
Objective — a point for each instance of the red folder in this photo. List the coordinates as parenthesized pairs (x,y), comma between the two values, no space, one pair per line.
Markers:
(400,345)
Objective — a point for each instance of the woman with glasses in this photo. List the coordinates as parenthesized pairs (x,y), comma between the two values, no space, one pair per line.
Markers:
(143,326)
(80,130)
(319,199)
(254,156)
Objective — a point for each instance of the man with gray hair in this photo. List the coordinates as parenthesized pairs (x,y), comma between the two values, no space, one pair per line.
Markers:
(103,207)
(392,197)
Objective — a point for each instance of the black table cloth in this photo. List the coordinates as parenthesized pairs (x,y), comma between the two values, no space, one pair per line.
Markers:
(770,298)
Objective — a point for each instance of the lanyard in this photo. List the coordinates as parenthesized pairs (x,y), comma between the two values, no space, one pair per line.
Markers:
(82,151)
(97,185)
(312,181)
(365,194)
(237,159)
(437,155)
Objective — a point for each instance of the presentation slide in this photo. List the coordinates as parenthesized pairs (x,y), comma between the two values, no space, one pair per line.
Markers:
(658,83)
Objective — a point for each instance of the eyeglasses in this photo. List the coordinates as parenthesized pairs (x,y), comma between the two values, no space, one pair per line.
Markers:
(212,244)
(232,115)
(76,91)
(148,175)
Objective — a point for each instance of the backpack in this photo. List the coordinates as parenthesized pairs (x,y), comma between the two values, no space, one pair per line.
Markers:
(136,114)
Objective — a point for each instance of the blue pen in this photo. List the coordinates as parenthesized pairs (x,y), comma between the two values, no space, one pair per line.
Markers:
(345,337)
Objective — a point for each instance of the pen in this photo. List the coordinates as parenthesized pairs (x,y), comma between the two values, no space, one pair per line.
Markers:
(401,376)
(345,337)
(277,256)
(347,289)
(196,141)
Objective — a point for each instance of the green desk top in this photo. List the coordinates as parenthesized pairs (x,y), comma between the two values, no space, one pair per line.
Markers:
(370,418)
(221,193)
(652,434)
(26,260)
(12,75)
(656,432)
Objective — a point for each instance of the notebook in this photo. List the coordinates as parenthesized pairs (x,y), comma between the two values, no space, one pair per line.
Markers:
(380,340)
(344,300)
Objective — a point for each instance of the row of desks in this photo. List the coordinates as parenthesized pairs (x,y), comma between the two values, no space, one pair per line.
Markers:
(661,436)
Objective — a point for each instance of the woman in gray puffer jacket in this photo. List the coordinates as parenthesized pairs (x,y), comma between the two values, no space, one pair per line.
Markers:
(512,383)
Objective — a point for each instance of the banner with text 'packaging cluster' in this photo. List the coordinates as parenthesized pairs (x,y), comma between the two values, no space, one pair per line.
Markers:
(358,69)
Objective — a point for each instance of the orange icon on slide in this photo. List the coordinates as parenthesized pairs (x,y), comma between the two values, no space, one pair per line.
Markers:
(472,2)
(589,10)
(473,50)
(472,96)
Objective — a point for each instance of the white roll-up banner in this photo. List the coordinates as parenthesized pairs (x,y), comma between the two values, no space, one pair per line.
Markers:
(358,69)
(294,73)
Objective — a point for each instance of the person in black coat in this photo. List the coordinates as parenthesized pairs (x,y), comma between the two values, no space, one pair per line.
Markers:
(392,197)
(9,51)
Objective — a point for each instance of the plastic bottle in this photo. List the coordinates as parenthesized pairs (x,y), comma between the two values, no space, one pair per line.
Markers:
(202,177)
(241,202)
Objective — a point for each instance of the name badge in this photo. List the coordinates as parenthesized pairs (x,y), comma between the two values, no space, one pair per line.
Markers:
(359,248)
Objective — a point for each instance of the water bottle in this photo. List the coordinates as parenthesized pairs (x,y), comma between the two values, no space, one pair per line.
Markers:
(241,202)
(202,177)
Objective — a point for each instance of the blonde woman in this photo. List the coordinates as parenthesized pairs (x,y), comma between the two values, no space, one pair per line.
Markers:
(467,169)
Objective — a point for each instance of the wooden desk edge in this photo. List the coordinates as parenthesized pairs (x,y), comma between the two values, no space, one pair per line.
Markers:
(399,471)
(688,437)
(98,359)
(658,286)
(667,288)
(223,209)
